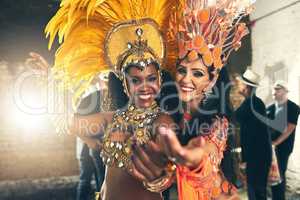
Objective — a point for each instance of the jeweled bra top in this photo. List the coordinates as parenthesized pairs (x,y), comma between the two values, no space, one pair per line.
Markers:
(133,125)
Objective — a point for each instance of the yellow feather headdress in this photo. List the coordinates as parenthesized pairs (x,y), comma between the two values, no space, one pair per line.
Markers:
(83,26)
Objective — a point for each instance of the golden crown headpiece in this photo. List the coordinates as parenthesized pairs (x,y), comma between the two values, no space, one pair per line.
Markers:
(210,28)
(95,36)
(134,42)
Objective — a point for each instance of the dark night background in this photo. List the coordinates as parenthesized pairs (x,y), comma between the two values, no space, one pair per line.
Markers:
(22,24)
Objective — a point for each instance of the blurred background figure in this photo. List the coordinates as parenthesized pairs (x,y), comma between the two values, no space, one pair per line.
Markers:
(5,84)
(255,138)
(283,114)
(94,100)
(88,155)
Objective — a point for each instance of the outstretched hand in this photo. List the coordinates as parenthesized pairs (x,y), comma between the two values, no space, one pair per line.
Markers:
(150,160)
(189,155)
(37,62)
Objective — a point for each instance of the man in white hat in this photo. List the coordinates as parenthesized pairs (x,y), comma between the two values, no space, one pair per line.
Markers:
(283,115)
(255,138)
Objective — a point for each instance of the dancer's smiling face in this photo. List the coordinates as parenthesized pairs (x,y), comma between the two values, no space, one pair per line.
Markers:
(143,84)
(192,78)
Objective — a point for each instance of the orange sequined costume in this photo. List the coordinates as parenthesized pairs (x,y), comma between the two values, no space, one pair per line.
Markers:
(210,29)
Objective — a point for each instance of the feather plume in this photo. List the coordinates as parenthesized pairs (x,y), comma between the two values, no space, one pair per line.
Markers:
(81,27)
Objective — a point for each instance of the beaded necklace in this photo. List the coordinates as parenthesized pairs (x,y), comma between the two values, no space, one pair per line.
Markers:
(134,125)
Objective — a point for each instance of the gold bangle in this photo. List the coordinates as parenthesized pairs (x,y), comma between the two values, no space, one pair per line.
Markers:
(164,182)
(159,184)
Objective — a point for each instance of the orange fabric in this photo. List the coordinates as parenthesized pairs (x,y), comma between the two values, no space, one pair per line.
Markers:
(196,186)
(206,182)
(192,184)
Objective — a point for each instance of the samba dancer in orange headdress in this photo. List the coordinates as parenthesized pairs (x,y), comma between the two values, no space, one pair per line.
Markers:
(206,32)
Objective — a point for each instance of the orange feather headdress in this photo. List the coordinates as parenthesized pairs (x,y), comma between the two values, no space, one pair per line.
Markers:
(210,28)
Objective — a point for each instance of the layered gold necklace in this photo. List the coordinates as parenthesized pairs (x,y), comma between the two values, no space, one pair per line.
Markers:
(133,125)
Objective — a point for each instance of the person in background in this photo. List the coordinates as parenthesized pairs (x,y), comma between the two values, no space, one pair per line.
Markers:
(89,165)
(88,153)
(255,138)
(89,158)
(283,115)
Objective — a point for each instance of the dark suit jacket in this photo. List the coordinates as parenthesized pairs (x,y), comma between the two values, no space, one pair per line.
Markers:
(255,138)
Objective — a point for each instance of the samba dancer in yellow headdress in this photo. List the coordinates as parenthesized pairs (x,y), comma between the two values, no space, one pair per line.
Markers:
(124,37)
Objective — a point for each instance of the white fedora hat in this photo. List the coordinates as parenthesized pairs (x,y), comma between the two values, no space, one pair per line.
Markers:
(250,78)
(281,84)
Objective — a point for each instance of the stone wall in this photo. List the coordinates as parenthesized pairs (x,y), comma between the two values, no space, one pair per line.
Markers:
(276,46)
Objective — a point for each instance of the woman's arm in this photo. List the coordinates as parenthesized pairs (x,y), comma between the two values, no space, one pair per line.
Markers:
(203,150)
(151,160)
(199,158)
